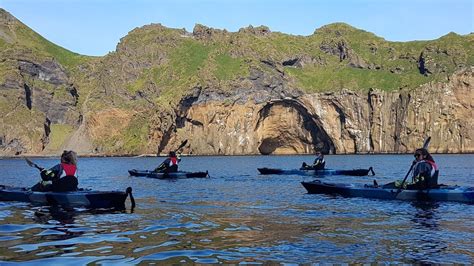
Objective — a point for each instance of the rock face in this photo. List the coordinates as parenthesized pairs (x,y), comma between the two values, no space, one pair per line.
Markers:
(343,122)
(38,95)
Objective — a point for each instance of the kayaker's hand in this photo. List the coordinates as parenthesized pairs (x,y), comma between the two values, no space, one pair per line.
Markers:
(44,175)
(47,175)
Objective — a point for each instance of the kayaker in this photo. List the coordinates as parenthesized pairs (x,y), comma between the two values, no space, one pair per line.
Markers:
(170,165)
(61,177)
(425,171)
(319,162)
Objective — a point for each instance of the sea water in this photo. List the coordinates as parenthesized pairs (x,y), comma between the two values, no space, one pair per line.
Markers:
(238,216)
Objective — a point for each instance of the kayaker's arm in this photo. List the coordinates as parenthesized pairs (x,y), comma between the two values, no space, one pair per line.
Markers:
(50,174)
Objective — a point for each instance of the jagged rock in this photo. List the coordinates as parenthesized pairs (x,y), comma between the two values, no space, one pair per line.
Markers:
(302,61)
(259,31)
(48,71)
(202,32)
(357,61)
(428,64)
(338,48)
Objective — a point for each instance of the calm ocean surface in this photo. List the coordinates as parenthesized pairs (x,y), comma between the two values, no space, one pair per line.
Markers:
(238,216)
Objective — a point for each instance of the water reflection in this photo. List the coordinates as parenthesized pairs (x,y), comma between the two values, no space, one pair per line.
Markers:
(426,214)
(427,244)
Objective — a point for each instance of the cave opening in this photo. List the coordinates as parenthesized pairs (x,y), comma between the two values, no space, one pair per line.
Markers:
(286,136)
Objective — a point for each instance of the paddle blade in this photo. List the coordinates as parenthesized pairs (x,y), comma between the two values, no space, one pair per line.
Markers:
(426,143)
(32,164)
(182,145)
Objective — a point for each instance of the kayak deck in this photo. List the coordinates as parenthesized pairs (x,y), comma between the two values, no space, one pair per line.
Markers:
(81,198)
(444,193)
(311,172)
(174,175)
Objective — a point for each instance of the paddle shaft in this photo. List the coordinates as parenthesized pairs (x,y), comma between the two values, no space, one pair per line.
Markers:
(32,164)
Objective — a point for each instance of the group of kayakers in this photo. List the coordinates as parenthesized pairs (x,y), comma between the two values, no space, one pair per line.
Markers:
(63,176)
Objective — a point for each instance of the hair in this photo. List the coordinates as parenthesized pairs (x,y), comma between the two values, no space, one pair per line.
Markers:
(425,153)
(172,154)
(69,157)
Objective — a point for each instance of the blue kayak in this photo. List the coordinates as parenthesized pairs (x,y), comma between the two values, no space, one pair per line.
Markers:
(160,175)
(443,193)
(311,172)
(80,198)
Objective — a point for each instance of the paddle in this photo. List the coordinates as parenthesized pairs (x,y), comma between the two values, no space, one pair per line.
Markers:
(182,145)
(425,146)
(32,164)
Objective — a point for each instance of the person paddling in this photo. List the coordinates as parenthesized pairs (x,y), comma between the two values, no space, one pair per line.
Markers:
(319,162)
(170,165)
(426,172)
(61,177)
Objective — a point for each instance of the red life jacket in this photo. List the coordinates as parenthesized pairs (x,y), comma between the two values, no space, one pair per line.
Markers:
(173,161)
(433,164)
(68,170)
(434,168)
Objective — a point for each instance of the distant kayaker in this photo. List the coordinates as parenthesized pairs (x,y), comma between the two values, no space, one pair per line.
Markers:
(170,165)
(318,164)
(61,177)
(425,173)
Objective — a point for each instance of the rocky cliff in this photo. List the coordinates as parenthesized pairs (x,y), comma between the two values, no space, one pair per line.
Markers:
(335,122)
(340,90)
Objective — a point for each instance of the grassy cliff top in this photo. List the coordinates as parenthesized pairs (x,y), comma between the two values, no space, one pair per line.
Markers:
(169,62)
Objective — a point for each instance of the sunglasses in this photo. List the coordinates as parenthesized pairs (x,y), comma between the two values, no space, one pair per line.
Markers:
(416,155)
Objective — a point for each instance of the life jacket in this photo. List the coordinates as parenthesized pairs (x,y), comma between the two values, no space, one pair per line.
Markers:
(434,169)
(68,170)
(173,161)
(430,181)
(319,160)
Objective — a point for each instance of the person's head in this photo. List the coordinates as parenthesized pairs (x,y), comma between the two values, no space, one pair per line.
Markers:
(320,154)
(172,154)
(422,154)
(69,157)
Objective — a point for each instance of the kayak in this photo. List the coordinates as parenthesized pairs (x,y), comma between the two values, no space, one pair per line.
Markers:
(80,198)
(443,193)
(311,172)
(179,174)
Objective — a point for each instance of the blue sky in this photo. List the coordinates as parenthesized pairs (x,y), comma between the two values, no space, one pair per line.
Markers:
(95,27)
